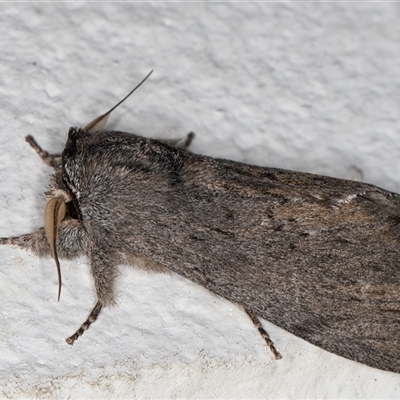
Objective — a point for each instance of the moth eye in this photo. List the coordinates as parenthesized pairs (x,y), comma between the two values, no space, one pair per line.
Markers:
(71,210)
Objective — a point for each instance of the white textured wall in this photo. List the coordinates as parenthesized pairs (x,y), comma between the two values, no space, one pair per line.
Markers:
(307,86)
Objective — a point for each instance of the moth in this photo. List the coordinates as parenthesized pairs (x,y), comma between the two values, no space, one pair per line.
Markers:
(315,255)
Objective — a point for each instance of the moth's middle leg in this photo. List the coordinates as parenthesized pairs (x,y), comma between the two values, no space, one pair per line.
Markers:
(104,271)
(187,141)
(182,143)
(85,326)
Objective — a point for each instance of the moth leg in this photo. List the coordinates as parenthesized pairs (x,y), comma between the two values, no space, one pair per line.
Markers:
(85,326)
(263,333)
(104,272)
(53,160)
(71,240)
(188,141)
(183,143)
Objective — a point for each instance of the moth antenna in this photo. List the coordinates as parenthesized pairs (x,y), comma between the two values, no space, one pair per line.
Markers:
(98,123)
(53,215)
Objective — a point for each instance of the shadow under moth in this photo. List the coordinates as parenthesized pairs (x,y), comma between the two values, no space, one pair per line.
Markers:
(317,256)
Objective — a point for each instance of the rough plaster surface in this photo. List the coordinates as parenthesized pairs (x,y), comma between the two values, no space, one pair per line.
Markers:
(307,86)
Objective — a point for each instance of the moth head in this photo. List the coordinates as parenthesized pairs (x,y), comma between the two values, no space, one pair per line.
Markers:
(59,199)
(54,213)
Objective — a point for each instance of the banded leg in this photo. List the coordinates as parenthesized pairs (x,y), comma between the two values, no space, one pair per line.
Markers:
(104,273)
(263,333)
(85,326)
(53,160)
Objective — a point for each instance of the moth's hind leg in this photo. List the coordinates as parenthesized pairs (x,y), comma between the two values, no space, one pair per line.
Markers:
(263,333)
(53,160)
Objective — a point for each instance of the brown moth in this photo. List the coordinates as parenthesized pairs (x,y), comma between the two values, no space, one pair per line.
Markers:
(317,256)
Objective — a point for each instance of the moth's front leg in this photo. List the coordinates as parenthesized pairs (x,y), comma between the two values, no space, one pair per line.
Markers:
(71,240)
(53,160)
